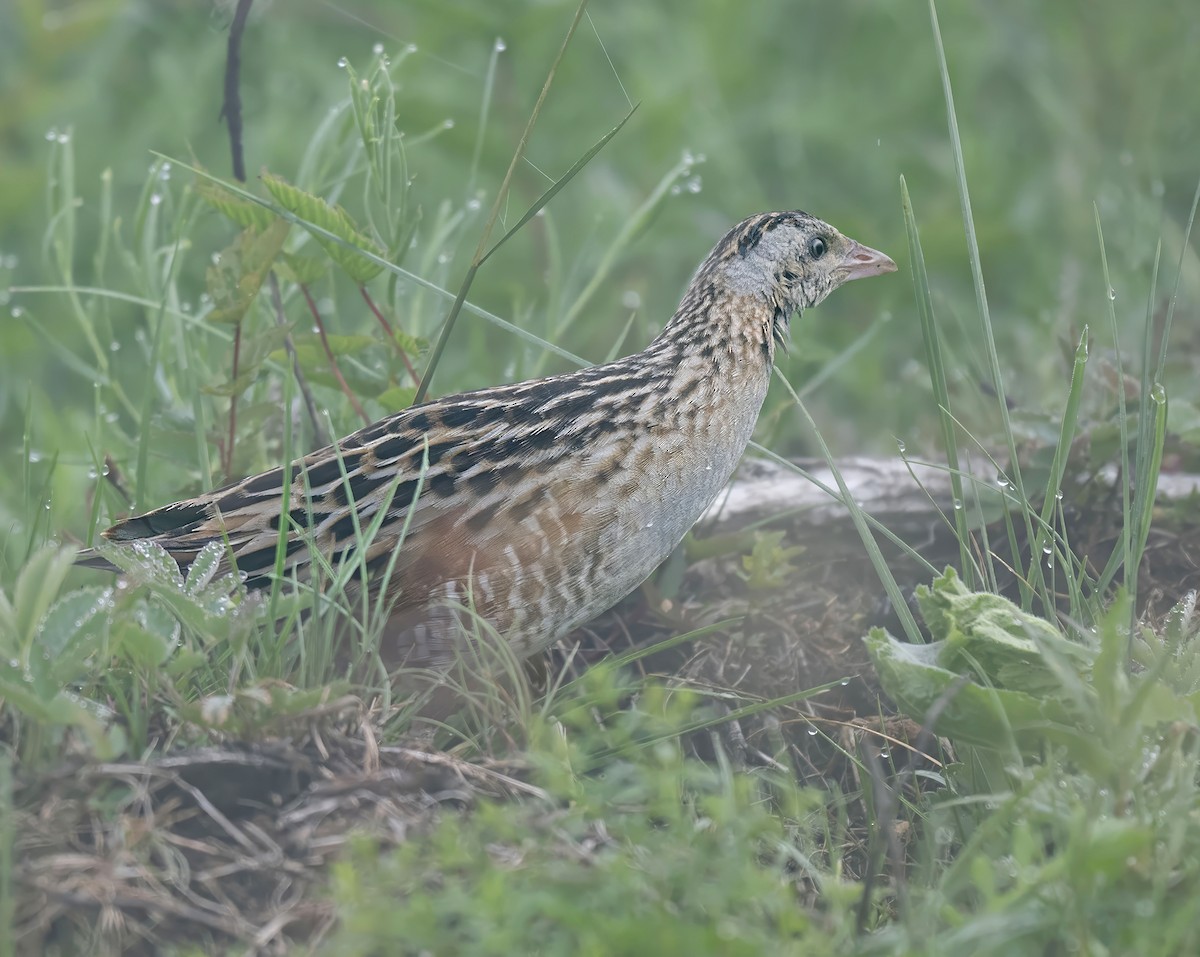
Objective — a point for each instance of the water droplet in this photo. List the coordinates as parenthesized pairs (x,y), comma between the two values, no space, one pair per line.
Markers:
(958,505)
(185,306)
(34,456)
(1112,294)
(155,199)
(900,446)
(499,46)
(694,185)
(164,172)
(631,299)
(448,123)
(316,330)
(1058,496)
(1001,481)
(443,258)
(16,312)
(63,139)
(1047,549)
(215,258)
(844,682)
(879,141)
(114,346)
(377,49)
(812,732)
(474,205)
(51,135)
(342,63)
(411,48)
(676,190)
(686,158)
(649,525)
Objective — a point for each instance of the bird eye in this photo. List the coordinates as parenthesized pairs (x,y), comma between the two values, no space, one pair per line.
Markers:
(817,247)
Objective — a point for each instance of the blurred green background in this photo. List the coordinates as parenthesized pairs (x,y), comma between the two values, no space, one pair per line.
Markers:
(819,106)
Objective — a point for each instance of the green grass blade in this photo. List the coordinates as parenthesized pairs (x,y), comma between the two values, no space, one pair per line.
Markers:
(989,340)
(439,346)
(559,183)
(937,374)
(899,605)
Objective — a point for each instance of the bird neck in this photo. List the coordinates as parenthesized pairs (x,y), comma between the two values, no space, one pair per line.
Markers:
(734,333)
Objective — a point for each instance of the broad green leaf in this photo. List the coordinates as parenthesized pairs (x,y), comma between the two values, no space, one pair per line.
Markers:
(70,633)
(303,270)
(396,398)
(37,587)
(992,717)
(235,279)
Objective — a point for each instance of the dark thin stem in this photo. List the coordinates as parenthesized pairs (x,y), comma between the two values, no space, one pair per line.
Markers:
(320,436)
(312,307)
(231,111)
(387,327)
(231,108)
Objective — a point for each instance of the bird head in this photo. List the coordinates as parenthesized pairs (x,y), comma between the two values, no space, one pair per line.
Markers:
(792,260)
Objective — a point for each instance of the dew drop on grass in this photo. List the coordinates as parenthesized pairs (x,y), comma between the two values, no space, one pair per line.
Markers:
(499,46)
(900,446)
(1058,496)
(812,732)
(694,185)
(377,49)
(474,205)
(1046,549)
(51,135)
(631,299)
(1001,481)
(958,505)
(1112,294)
(342,63)
(16,312)
(63,139)
(448,123)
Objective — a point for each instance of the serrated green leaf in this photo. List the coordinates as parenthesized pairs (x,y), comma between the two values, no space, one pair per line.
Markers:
(144,561)
(204,567)
(331,219)
(241,211)
(413,345)
(235,279)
